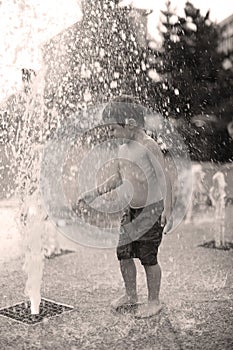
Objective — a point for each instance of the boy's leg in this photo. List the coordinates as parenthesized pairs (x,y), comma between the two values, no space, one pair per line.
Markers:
(125,254)
(128,271)
(129,274)
(153,276)
(147,253)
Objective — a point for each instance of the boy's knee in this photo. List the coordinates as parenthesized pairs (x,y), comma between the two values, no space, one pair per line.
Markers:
(149,260)
(124,252)
(148,254)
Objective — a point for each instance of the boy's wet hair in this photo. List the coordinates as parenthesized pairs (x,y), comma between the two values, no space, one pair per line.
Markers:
(121,109)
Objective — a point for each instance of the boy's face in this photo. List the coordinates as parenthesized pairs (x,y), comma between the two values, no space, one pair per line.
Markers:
(124,131)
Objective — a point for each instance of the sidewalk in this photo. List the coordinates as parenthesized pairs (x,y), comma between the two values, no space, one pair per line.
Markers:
(197,293)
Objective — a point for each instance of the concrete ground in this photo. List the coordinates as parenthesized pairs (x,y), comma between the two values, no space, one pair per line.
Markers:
(196,292)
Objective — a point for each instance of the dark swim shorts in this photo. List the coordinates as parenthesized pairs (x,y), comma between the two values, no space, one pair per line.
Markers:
(141,234)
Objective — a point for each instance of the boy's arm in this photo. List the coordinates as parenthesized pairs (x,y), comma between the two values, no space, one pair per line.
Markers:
(167,191)
(110,184)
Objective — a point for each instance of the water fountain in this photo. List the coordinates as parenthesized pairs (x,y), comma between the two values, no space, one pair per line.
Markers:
(218,198)
(28,151)
(74,73)
(31,135)
(39,116)
(199,196)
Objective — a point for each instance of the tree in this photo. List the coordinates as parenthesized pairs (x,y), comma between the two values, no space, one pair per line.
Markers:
(193,79)
(96,59)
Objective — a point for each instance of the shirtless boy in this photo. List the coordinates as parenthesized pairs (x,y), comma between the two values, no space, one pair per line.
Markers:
(141,165)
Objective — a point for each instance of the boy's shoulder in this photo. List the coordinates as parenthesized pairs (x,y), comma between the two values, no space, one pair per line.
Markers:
(151,143)
(144,140)
(148,139)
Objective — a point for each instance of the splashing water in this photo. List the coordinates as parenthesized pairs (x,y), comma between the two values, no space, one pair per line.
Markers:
(27,155)
(34,257)
(199,192)
(85,64)
(217,196)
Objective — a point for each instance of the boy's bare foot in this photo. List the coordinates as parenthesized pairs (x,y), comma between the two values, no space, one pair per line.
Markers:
(148,310)
(124,302)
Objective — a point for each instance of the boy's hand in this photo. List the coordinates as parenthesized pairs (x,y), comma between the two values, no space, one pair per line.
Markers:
(88,197)
(168,226)
(83,200)
(166,220)
(165,216)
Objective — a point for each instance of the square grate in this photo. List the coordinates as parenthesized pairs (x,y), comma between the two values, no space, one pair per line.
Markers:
(21,312)
(61,252)
(212,245)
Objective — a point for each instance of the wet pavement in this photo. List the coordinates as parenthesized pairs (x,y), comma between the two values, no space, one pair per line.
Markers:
(196,292)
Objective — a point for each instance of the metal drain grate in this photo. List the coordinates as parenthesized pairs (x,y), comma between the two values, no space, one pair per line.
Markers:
(211,244)
(22,313)
(57,254)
